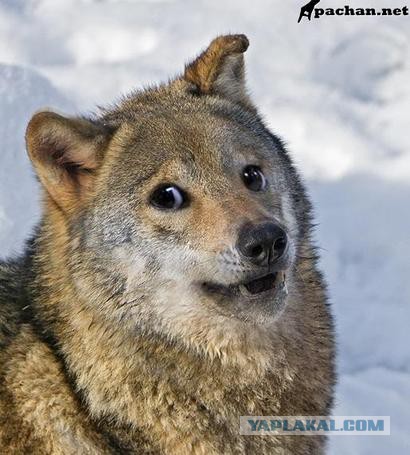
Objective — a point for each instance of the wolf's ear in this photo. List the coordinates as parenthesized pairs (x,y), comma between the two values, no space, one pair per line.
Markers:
(220,69)
(65,152)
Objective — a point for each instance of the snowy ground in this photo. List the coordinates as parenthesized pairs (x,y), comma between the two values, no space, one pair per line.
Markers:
(337,89)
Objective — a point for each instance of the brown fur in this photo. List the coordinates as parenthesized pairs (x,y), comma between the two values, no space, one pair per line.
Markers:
(107,342)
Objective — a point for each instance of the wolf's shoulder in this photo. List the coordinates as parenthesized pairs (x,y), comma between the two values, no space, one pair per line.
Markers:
(11,292)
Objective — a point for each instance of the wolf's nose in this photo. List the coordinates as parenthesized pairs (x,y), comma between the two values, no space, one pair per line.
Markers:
(262,244)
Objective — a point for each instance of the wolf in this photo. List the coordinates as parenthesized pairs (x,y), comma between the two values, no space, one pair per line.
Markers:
(171,285)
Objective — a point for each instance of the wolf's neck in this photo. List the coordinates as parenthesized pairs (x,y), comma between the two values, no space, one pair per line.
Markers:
(163,389)
(123,377)
(124,373)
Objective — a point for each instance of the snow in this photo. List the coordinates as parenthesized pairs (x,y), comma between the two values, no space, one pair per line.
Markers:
(336,89)
(22,92)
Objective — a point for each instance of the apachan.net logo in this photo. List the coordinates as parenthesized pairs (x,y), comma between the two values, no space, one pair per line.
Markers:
(309,10)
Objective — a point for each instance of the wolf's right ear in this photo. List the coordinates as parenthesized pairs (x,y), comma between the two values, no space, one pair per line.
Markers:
(66,152)
(220,70)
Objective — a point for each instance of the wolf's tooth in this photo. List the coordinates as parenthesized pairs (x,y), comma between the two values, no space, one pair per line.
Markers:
(243,290)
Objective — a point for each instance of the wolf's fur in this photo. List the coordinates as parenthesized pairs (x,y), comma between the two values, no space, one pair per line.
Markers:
(107,342)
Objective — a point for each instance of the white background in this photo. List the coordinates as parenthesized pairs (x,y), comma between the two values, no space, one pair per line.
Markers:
(336,89)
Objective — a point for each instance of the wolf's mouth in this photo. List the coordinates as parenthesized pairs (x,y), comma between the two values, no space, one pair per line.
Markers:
(257,286)
(263,284)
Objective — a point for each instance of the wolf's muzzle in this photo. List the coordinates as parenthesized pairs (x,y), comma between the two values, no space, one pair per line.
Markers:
(262,244)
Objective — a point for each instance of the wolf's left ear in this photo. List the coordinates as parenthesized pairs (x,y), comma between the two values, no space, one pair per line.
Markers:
(220,69)
(66,153)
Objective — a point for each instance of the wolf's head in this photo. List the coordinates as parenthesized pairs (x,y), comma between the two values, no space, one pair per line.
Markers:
(178,212)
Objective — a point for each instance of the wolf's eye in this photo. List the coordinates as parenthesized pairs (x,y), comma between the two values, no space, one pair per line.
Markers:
(253,178)
(168,197)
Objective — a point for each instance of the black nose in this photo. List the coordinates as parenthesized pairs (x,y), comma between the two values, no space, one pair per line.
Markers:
(263,243)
